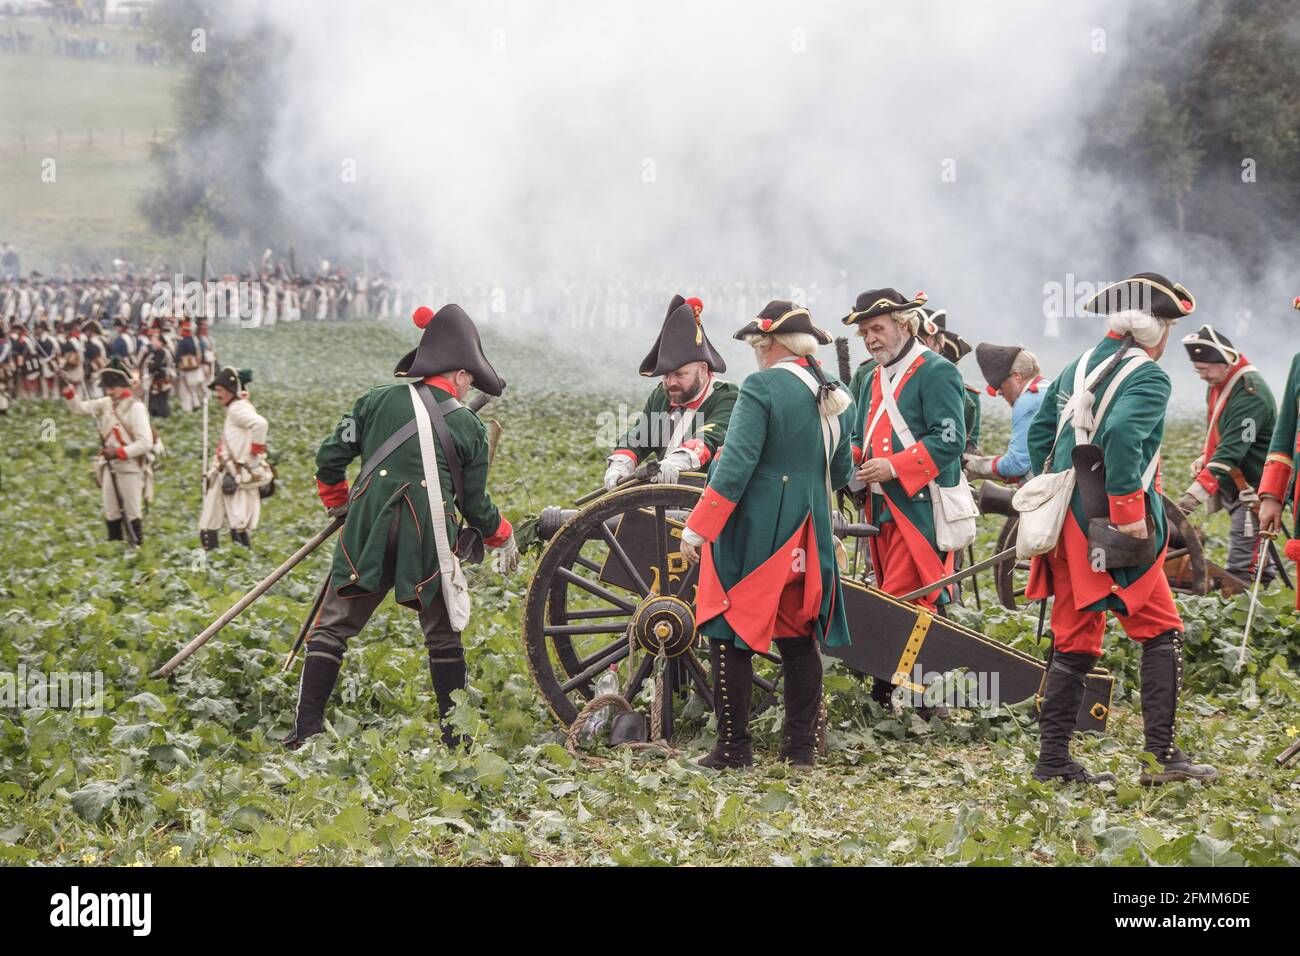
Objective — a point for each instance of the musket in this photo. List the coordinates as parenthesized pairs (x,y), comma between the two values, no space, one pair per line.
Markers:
(959,575)
(258,590)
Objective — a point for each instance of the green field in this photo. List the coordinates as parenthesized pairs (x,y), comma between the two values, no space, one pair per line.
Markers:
(187,771)
(107,112)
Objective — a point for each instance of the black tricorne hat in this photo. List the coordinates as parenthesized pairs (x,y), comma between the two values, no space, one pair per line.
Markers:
(951,345)
(1207,345)
(876,302)
(782,316)
(1148,292)
(450,342)
(681,341)
(995,362)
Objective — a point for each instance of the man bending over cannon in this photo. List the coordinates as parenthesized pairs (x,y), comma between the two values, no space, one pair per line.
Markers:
(685,418)
(908,439)
(1013,373)
(390,540)
(762,534)
(1240,416)
(1110,553)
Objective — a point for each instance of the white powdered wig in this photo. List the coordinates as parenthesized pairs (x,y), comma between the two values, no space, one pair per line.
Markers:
(1146,328)
(912,318)
(804,344)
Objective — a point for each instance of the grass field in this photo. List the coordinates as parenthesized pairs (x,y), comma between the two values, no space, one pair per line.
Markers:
(90,208)
(187,771)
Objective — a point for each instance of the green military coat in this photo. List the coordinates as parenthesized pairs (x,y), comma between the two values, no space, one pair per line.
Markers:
(1240,436)
(1284,451)
(765,518)
(930,396)
(395,492)
(649,433)
(1129,436)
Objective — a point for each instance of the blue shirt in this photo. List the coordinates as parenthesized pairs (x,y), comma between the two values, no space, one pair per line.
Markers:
(1014,463)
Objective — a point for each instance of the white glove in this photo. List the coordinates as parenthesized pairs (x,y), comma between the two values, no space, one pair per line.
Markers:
(979,467)
(620,467)
(691,542)
(683,459)
(1197,466)
(506,558)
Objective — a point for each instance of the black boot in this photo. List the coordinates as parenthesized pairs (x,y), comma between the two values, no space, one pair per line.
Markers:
(114,529)
(1162,679)
(320,671)
(447,669)
(137,532)
(802,668)
(209,540)
(240,537)
(882,692)
(1062,696)
(733,683)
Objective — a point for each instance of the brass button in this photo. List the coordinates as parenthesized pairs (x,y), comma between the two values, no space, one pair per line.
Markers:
(423,483)
(352,577)
(785,477)
(419,587)
(713,504)
(1114,587)
(383,472)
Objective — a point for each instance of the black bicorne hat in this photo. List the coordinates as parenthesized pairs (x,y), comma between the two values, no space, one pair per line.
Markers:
(780,316)
(1207,345)
(231,379)
(1148,292)
(876,302)
(450,342)
(113,378)
(995,363)
(681,341)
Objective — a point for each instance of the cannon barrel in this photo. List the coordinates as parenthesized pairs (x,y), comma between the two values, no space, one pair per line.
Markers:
(995,499)
(552,519)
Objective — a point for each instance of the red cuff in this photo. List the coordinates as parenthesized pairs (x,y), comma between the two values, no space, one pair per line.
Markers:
(857,454)
(700,449)
(501,535)
(1207,481)
(1277,475)
(627,454)
(332,496)
(914,467)
(121,453)
(259,449)
(1126,509)
(710,515)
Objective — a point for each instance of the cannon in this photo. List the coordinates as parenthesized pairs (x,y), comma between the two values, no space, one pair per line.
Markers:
(1186,566)
(612,589)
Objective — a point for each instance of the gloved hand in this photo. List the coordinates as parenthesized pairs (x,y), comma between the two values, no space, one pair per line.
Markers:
(683,459)
(977,466)
(620,467)
(337,511)
(690,545)
(1198,465)
(506,558)
(1193,497)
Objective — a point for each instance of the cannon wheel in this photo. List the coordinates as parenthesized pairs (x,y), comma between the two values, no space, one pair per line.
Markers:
(577,620)
(1012,575)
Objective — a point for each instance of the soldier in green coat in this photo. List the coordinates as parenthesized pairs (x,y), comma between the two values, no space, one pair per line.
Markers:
(1097,566)
(684,421)
(762,533)
(1283,464)
(388,542)
(1240,414)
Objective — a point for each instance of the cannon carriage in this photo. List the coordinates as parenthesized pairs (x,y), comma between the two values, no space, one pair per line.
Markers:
(612,589)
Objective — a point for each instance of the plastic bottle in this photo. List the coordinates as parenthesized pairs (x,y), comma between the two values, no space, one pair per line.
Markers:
(606,683)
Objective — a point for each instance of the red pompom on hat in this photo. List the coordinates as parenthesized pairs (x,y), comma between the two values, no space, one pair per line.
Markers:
(1292,549)
(1187,305)
(992,391)
(422,316)
(696,304)
(1295,303)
